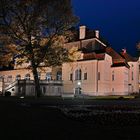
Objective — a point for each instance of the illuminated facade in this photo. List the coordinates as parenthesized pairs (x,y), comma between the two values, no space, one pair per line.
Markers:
(100,71)
(20,82)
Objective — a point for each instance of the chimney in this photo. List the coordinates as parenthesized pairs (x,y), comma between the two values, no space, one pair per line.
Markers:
(82,32)
(124,50)
(97,33)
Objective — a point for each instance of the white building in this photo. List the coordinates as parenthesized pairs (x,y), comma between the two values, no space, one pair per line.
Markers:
(101,71)
(20,82)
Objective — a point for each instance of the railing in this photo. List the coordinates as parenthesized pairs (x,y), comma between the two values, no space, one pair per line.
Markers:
(42,81)
(51,82)
(10,85)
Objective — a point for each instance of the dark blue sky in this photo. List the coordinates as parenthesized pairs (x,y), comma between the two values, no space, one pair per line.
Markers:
(117,20)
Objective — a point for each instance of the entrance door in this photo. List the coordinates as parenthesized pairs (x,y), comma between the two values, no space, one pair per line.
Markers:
(77,91)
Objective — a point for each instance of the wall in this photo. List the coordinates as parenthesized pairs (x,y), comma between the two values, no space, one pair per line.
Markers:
(104,67)
(92,86)
(12,86)
(119,86)
(133,77)
(88,86)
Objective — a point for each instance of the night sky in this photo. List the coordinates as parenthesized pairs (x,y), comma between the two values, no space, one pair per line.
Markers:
(117,20)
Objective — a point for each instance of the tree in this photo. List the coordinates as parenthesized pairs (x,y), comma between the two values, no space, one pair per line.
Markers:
(138,48)
(35,31)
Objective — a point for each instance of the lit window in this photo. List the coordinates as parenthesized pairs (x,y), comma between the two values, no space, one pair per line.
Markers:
(39,75)
(85,76)
(78,74)
(48,76)
(18,77)
(59,76)
(27,76)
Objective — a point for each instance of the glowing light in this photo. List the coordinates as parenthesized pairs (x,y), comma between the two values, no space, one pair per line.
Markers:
(79,83)
(22,97)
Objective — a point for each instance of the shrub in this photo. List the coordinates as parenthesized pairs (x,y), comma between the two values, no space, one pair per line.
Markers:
(7,93)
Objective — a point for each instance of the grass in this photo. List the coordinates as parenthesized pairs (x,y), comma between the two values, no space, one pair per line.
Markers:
(115,97)
(111,97)
(42,122)
(58,98)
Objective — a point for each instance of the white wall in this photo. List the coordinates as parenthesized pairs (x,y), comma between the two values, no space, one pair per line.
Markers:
(88,86)
(93,85)
(119,86)
(133,77)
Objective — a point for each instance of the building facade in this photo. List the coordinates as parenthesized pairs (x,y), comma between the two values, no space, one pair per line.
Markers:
(20,82)
(100,71)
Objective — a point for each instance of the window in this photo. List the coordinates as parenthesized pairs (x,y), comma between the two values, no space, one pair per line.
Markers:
(1,78)
(132,88)
(78,74)
(71,77)
(48,76)
(85,76)
(39,75)
(18,77)
(112,89)
(27,76)
(98,75)
(113,76)
(59,76)
(132,76)
(9,78)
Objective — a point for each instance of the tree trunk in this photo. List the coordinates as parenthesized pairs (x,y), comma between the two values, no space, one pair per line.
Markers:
(36,80)
(35,72)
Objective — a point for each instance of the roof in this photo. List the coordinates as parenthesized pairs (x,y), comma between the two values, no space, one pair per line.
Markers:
(120,64)
(88,35)
(93,46)
(117,59)
(128,57)
(91,56)
(115,56)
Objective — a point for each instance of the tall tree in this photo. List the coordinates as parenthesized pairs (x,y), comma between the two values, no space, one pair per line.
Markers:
(35,31)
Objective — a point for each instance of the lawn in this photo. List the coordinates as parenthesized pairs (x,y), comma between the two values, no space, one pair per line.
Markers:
(44,119)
